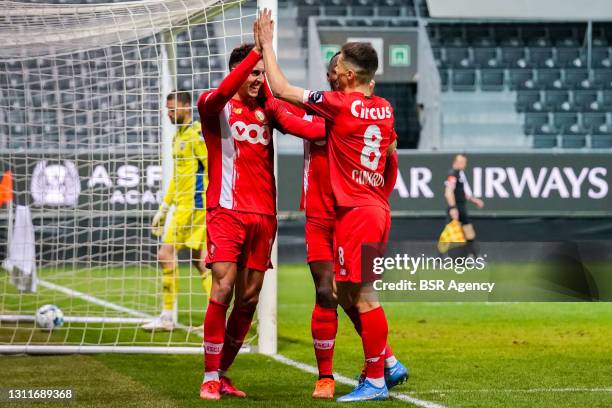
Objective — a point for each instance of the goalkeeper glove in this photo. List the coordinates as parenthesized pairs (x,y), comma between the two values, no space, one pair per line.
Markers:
(159,220)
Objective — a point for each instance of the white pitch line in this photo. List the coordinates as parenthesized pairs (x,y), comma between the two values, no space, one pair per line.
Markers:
(525,390)
(92,299)
(104,303)
(349,381)
(278,357)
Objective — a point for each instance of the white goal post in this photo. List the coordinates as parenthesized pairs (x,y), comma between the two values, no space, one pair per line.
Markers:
(84,130)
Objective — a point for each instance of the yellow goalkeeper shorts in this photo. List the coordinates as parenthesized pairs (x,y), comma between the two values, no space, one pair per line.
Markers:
(186,228)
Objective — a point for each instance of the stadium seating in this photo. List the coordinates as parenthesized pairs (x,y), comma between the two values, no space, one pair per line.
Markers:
(562,95)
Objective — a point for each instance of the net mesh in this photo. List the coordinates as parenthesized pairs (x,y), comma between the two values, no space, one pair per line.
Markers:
(82,95)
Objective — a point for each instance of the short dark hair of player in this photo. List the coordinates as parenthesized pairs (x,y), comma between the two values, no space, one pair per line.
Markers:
(362,56)
(180,96)
(239,53)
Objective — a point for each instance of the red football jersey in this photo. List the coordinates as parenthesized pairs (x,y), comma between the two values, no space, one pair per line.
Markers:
(317,199)
(317,196)
(238,136)
(359,131)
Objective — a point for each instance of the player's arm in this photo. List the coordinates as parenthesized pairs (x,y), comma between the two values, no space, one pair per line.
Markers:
(390,174)
(281,88)
(449,195)
(287,122)
(213,102)
(159,219)
(392,149)
(199,149)
(170,194)
(476,201)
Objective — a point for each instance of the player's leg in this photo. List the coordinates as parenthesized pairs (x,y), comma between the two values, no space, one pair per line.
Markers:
(167,259)
(197,243)
(391,361)
(247,289)
(324,327)
(373,336)
(356,293)
(469,232)
(223,277)
(319,235)
(260,232)
(225,237)
(198,257)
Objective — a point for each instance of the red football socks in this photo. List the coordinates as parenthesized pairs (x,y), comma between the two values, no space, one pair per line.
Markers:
(353,314)
(214,331)
(238,326)
(374,332)
(324,326)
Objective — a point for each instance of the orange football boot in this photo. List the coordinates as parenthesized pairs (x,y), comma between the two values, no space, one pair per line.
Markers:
(210,390)
(324,389)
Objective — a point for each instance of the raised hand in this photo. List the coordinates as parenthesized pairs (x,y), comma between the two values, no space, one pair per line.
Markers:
(265,28)
(256,37)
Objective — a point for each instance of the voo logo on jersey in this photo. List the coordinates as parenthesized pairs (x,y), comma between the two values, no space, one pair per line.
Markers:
(251,133)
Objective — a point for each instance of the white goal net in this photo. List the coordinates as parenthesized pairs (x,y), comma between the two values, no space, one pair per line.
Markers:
(85,134)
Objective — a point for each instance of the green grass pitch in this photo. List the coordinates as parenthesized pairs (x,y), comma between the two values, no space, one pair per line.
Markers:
(459,354)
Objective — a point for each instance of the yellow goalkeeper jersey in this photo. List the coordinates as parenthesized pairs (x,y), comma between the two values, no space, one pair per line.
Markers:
(187,188)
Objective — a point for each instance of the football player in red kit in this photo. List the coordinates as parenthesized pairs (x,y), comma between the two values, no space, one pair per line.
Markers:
(241,202)
(360,137)
(318,204)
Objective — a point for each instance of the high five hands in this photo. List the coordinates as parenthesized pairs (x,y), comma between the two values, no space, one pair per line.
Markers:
(263,29)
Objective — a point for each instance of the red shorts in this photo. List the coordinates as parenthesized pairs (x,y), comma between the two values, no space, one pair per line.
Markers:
(319,239)
(355,227)
(240,237)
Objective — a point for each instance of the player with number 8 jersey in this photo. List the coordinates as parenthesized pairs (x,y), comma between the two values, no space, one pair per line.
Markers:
(361,137)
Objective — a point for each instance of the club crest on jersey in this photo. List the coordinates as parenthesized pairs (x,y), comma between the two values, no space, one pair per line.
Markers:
(316,97)
(182,146)
(260,115)
(251,133)
(238,111)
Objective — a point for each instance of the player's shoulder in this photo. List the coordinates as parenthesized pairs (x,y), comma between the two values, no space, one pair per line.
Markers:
(316,97)
(204,95)
(453,175)
(196,126)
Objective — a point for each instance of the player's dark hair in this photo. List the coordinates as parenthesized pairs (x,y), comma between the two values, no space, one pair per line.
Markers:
(363,56)
(181,96)
(239,53)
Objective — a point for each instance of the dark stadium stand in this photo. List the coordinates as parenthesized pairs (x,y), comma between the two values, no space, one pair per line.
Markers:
(563,92)
(564,97)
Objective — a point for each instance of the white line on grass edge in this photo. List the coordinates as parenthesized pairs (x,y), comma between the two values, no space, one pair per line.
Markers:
(348,381)
(513,390)
(313,370)
(278,357)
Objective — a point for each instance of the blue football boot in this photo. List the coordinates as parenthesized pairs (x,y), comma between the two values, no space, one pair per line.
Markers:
(396,375)
(365,391)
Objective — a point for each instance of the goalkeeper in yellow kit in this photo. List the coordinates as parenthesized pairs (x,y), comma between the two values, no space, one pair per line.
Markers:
(187,192)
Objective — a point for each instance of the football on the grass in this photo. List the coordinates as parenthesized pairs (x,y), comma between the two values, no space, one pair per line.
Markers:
(49,317)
